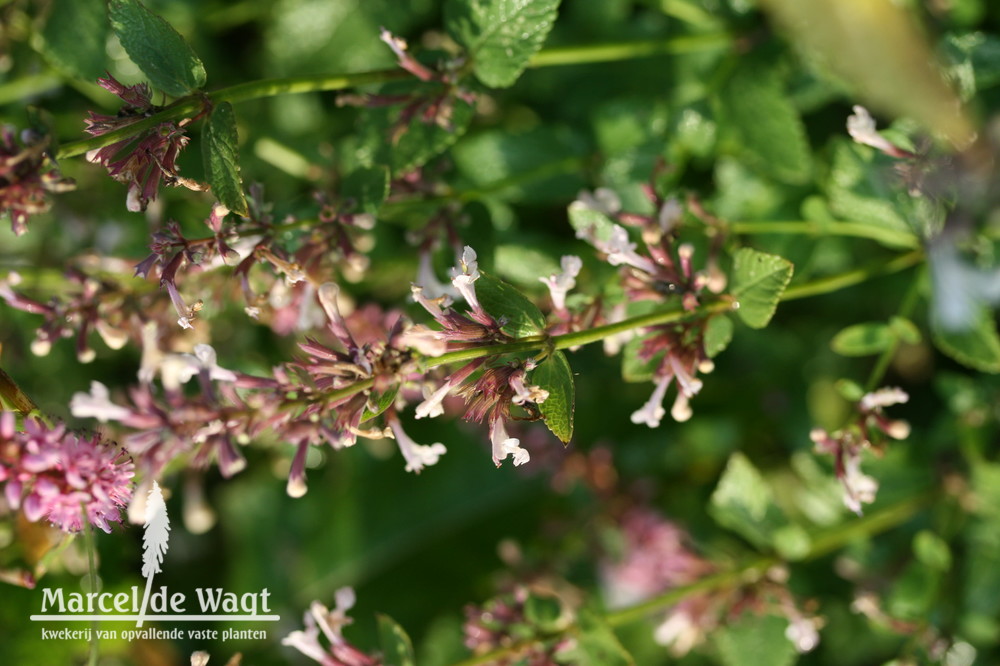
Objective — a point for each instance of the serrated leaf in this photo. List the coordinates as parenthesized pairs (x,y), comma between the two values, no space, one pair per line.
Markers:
(397,649)
(594,645)
(635,369)
(743,502)
(589,223)
(555,376)
(863,339)
(977,347)
(221,155)
(718,335)
(502,301)
(156,48)
(378,403)
(756,639)
(500,36)
(74,38)
(758,281)
(404,149)
(769,130)
(368,188)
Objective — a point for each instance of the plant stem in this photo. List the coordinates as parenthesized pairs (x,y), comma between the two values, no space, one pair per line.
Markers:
(850,278)
(885,358)
(242,92)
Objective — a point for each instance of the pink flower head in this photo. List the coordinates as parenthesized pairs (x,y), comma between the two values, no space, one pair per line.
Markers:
(27,175)
(60,476)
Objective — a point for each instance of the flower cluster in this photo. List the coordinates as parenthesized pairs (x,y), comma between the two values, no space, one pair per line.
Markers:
(331,623)
(436,108)
(653,558)
(143,159)
(62,477)
(846,445)
(664,269)
(27,175)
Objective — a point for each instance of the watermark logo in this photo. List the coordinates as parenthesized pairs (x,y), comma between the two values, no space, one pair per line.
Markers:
(162,604)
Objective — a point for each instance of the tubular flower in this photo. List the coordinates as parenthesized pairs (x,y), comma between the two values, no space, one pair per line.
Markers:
(319,619)
(27,176)
(60,476)
(141,160)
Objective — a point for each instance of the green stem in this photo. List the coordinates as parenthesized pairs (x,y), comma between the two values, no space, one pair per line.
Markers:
(251,90)
(850,278)
(885,358)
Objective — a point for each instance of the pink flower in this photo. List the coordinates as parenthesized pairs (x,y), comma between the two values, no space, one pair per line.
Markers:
(60,476)
(141,160)
(319,619)
(27,175)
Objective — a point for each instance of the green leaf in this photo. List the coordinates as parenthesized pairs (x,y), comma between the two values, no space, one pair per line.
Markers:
(718,334)
(768,129)
(755,639)
(397,649)
(221,155)
(404,149)
(758,281)
(932,550)
(379,402)
(849,390)
(594,645)
(590,223)
(156,48)
(75,36)
(977,347)
(555,376)
(863,339)
(368,187)
(743,502)
(502,301)
(500,35)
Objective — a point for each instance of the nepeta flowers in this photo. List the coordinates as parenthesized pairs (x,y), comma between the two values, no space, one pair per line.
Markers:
(318,619)
(61,477)
(27,176)
(141,161)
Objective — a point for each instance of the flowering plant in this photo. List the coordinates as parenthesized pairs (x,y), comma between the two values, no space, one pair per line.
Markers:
(349,322)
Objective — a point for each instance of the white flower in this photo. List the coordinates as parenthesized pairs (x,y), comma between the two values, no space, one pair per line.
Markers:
(464,276)
(861,127)
(883,397)
(526,392)
(417,456)
(622,251)
(679,632)
(432,406)
(652,412)
(859,488)
(432,287)
(560,284)
(177,369)
(670,214)
(97,404)
(504,445)
(802,633)
(603,200)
